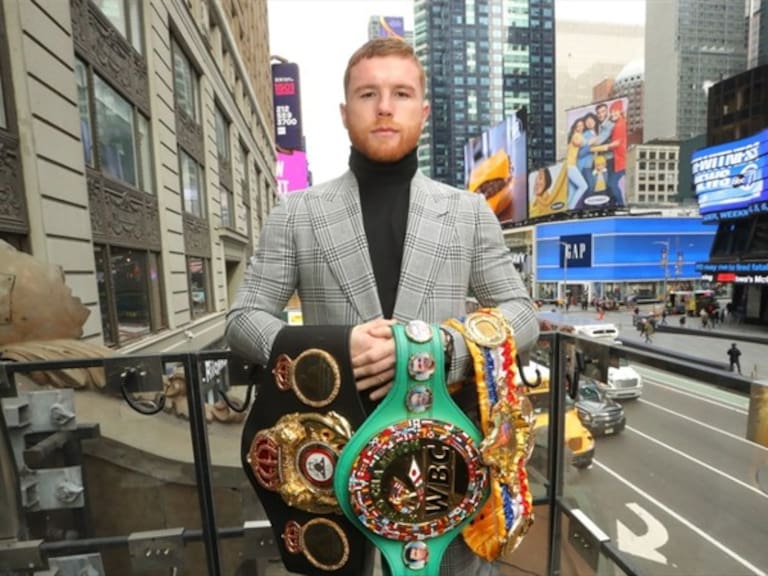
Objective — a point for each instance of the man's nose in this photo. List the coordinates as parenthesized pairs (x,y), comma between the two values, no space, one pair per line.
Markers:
(384,107)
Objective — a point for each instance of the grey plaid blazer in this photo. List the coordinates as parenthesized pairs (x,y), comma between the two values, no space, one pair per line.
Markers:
(314,242)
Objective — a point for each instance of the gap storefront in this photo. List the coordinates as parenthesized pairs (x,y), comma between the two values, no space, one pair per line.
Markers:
(619,257)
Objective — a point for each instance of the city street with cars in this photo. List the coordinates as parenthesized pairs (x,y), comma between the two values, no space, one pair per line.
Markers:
(681,490)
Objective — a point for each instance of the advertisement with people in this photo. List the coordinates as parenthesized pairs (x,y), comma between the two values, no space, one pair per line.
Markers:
(596,156)
(731,179)
(547,191)
(495,166)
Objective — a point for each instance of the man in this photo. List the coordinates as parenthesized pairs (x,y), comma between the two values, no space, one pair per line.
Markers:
(381,244)
(733,358)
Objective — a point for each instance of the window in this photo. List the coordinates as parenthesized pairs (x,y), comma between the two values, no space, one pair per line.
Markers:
(198,286)
(114,120)
(185,83)
(84,106)
(129,293)
(191,174)
(125,15)
(222,135)
(122,135)
(227,207)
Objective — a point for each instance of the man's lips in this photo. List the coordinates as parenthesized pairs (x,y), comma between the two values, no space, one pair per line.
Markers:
(385,130)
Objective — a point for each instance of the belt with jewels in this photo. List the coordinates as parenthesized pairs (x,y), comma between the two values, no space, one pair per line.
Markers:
(306,410)
(507,420)
(411,476)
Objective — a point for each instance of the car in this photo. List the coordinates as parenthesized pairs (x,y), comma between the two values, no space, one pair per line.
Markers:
(579,443)
(601,415)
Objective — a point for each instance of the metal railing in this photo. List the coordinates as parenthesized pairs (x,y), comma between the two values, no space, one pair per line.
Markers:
(25,549)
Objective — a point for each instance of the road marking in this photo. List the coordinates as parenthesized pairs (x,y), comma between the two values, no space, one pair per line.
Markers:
(703,425)
(754,569)
(645,545)
(699,462)
(719,402)
(661,378)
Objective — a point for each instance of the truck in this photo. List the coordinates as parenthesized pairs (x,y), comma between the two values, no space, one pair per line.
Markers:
(604,361)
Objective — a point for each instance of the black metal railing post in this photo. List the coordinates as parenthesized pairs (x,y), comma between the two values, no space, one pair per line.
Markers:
(202,455)
(555,461)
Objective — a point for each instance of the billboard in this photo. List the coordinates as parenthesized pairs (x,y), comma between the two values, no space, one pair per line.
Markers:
(390,26)
(285,82)
(291,171)
(495,165)
(731,180)
(596,156)
(547,191)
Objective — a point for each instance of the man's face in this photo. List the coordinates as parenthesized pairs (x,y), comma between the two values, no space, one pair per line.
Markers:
(602,113)
(615,114)
(385,108)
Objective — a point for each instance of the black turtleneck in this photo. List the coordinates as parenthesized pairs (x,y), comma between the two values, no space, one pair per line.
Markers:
(385,191)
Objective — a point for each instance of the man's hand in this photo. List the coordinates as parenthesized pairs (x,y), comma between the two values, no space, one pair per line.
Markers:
(372,349)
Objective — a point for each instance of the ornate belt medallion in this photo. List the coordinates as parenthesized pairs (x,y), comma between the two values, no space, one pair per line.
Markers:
(321,541)
(297,458)
(313,376)
(413,476)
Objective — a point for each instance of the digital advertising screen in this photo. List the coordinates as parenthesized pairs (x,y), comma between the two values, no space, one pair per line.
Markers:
(596,155)
(547,191)
(495,165)
(291,170)
(391,27)
(287,104)
(731,179)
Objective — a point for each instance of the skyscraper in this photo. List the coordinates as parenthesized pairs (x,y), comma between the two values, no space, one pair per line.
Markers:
(484,59)
(757,43)
(689,45)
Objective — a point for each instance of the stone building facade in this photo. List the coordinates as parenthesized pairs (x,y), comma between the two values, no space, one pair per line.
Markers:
(137,153)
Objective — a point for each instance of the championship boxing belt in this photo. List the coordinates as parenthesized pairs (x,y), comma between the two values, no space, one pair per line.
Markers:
(306,410)
(411,477)
(507,420)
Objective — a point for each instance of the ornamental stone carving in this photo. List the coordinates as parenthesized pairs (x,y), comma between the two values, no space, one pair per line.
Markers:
(190,136)
(122,215)
(110,53)
(13,214)
(197,237)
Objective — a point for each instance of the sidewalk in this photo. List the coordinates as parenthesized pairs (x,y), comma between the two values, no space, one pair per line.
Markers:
(708,343)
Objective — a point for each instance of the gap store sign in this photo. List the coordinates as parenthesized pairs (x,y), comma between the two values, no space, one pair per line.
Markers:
(731,179)
(576,251)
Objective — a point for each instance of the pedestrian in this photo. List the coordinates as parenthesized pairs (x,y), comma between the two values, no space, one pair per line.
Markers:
(664,317)
(381,244)
(648,329)
(733,358)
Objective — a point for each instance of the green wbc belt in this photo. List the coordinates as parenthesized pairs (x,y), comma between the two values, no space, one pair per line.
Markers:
(411,476)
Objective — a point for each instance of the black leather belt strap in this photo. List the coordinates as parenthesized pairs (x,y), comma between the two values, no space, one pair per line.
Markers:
(296,426)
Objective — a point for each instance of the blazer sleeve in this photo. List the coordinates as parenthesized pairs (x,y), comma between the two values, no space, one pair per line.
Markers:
(496,283)
(270,280)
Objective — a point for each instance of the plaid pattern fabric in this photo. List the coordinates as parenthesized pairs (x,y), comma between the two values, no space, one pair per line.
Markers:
(314,242)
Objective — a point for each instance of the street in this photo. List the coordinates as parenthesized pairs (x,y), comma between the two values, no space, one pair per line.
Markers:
(680,490)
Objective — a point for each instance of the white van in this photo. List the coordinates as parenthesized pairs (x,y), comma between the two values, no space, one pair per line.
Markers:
(609,367)
(607,332)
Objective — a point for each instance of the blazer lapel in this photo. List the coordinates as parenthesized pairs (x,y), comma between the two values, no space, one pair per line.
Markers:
(431,218)
(337,223)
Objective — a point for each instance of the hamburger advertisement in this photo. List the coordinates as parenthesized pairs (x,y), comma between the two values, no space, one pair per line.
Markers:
(495,166)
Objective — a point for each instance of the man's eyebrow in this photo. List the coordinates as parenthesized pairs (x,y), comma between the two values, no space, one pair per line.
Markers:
(374,86)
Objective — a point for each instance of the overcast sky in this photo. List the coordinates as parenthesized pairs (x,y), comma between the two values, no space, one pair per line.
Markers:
(321,35)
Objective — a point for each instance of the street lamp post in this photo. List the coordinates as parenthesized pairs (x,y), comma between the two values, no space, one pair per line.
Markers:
(664,260)
(565,273)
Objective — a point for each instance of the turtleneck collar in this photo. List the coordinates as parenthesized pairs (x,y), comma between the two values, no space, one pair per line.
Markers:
(369,171)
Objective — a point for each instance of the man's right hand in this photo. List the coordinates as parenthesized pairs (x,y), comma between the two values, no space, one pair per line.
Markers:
(372,349)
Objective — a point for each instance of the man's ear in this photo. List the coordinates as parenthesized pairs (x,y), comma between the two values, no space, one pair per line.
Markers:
(425,110)
(343,111)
